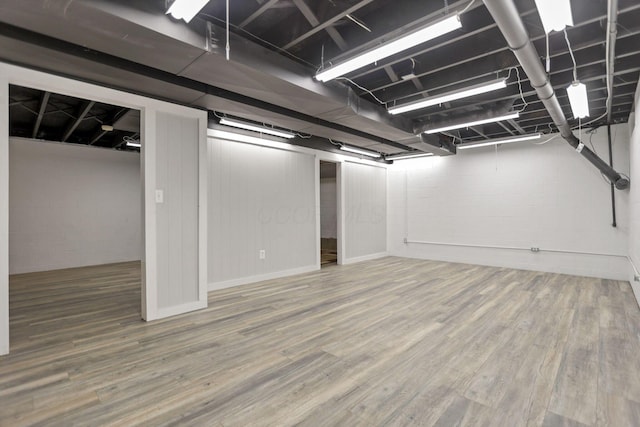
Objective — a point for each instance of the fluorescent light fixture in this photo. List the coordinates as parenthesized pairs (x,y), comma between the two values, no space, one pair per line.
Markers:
(579,100)
(498,141)
(407,156)
(107,128)
(554,14)
(360,151)
(186,9)
(134,144)
(265,141)
(255,128)
(475,123)
(436,29)
(450,96)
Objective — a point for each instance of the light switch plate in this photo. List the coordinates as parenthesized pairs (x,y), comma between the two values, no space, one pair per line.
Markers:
(159,196)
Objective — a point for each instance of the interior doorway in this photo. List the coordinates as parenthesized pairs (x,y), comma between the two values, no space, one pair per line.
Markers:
(328,214)
(75,212)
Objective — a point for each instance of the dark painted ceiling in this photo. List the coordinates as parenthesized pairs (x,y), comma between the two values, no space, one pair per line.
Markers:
(277,46)
(55,117)
(477,52)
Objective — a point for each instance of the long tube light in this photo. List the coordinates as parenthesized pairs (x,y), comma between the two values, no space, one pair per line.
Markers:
(134,144)
(474,123)
(450,96)
(579,100)
(356,150)
(255,128)
(554,14)
(407,156)
(436,29)
(498,141)
(186,9)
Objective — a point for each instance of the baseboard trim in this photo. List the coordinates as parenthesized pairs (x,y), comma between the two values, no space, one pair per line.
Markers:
(364,258)
(179,309)
(601,266)
(214,286)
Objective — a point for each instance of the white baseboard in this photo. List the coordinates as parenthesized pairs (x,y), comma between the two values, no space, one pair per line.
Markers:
(589,265)
(179,309)
(365,258)
(261,277)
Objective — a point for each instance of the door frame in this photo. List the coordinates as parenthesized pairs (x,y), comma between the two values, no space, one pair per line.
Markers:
(11,74)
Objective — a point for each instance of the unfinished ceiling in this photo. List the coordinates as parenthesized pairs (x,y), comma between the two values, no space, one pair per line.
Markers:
(276,47)
(54,117)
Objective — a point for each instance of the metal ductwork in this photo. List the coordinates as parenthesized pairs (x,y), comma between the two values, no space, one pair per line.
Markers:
(612,35)
(507,18)
(188,64)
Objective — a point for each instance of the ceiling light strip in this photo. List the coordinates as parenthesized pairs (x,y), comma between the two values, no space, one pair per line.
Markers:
(256,128)
(578,99)
(450,96)
(435,29)
(407,156)
(554,14)
(186,9)
(474,123)
(508,140)
(362,151)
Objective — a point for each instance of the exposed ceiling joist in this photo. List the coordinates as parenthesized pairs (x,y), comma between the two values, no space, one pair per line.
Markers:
(326,24)
(43,107)
(262,9)
(313,20)
(75,123)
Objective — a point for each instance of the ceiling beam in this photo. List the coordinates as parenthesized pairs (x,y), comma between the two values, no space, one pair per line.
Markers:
(505,127)
(84,110)
(313,20)
(43,106)
(326,24)
(262,9)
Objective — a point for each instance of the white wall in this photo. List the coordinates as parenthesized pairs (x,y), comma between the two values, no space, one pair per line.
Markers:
(328,208)
(72,206)
(365,211)
(634,195)
(525,195)
(176,148)
(260,198)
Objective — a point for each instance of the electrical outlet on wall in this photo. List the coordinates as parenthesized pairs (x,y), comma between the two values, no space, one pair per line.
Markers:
(262,254)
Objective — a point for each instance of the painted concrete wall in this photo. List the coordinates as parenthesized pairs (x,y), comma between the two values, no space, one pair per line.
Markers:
(519,196)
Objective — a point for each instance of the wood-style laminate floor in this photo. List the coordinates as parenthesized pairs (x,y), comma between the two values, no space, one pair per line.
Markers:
(391,342)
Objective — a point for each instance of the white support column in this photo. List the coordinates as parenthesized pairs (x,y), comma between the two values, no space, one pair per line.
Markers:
(4,214)
(149,258)
(203,220)
(318,220)
(341,215)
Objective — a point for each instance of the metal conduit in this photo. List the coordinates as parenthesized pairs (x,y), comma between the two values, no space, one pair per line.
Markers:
(508,20)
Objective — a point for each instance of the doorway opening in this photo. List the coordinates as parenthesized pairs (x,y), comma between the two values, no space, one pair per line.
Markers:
(328,214)
(75,215)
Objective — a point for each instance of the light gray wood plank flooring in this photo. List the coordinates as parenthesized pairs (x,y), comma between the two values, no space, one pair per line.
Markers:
(390,342)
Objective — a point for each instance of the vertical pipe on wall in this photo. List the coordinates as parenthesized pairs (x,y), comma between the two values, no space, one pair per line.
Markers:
(4,214)
(613,189)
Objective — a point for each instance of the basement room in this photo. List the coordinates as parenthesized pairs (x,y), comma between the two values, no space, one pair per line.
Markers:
(319,213)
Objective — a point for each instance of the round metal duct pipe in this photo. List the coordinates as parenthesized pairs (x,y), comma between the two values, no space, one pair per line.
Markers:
(507,18)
